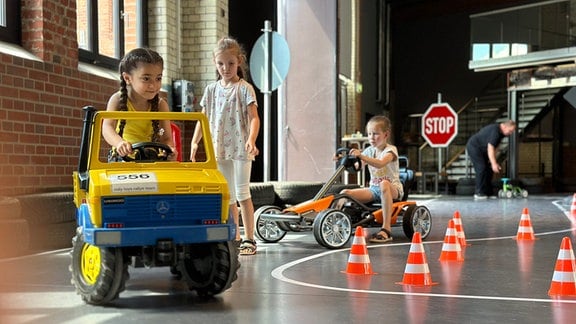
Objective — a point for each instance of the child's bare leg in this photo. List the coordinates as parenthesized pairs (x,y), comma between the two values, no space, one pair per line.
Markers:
(386,191)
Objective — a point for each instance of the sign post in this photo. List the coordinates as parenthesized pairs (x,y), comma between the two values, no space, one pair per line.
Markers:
(439,126)
(269,63)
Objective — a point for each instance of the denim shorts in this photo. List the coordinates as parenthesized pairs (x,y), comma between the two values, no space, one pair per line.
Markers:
(375,190)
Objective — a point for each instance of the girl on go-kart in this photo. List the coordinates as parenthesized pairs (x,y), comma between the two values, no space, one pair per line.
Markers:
(385,186)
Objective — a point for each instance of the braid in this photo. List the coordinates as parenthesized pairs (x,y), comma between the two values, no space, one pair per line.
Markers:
(155,123)
(123,104)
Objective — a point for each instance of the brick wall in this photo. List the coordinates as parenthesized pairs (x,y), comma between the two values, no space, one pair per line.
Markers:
(41,100)
(42,92)
(203,23)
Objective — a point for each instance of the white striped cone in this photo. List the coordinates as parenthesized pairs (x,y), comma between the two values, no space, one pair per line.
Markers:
(359,261)
(451,249)
(417,271)
(459,229)
(525,230)
(564,278)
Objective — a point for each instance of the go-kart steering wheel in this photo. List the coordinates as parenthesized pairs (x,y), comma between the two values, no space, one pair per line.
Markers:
(149,151)
(351,163)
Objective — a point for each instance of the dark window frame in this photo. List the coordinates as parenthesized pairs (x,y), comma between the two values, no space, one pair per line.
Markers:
(12,33)
(93,55)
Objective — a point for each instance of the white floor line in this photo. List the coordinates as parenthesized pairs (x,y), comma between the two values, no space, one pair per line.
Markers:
(278,273)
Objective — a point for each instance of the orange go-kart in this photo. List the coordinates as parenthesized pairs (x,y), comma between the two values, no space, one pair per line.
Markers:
(334,216)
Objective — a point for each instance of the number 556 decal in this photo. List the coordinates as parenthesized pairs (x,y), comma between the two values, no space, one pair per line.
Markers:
(134,182)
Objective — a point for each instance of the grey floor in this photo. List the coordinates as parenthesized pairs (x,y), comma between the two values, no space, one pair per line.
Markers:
(297,281)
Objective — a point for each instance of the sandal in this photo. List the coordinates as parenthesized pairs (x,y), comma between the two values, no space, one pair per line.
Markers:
(248,247)
(380,238)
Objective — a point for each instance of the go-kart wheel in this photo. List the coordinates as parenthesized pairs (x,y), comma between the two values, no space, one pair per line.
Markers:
(98,273)
(209,269)
(332,228)
(500,193)
(508,194)
(268,230)
(417,219)
(524,193)
(149,151)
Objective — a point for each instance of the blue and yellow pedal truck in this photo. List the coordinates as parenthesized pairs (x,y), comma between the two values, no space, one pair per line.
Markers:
(148,211)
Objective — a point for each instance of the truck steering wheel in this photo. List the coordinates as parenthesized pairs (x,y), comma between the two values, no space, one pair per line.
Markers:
(149,151)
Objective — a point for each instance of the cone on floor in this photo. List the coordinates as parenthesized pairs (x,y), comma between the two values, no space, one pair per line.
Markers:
(459,229)
(359,261)
(451,249)
(564,278)
(525,230)
(417,271)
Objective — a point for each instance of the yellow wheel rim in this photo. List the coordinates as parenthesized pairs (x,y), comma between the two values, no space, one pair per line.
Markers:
(90,263)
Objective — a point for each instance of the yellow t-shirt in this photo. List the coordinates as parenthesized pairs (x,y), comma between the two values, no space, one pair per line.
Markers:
(136,131)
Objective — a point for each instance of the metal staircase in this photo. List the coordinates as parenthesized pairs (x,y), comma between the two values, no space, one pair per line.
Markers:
(489,108)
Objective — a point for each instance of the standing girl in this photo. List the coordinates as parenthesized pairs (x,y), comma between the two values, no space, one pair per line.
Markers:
(385,186)
(231,107)
(140,83)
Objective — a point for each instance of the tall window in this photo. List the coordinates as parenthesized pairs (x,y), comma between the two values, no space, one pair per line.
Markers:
(109,28)
(10,21)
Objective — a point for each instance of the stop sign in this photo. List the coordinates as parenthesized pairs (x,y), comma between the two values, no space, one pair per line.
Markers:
(439,125)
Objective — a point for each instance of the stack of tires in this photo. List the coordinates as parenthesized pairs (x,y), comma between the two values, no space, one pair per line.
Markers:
(51,219)
(288,193)
(14,232)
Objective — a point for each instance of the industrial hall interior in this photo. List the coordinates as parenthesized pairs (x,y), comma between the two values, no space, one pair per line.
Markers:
(287,161)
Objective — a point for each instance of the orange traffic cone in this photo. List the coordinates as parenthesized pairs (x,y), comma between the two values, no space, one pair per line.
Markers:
(451,249)
(417,271)
(525,231)
(359,261)
(564,278)
(459,229)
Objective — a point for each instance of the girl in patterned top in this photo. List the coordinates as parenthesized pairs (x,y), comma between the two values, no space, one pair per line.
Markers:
(382,160)
(231,107)
(140,84)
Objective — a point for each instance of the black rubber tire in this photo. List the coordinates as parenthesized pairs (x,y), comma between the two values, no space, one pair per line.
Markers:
(337,187)
(52,236)
(262,194)
(332,228)
(294,192)
(9,208)
(209,268)
(417,219)
(267,230)
(466,186)
(14,237)
(48,208)
(107,283)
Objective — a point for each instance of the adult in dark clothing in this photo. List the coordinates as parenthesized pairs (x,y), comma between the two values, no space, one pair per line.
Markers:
(481,149)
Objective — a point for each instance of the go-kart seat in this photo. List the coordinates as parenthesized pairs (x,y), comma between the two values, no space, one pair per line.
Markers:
(406,176)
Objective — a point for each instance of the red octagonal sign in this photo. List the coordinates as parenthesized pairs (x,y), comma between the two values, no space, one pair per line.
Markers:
(439,125)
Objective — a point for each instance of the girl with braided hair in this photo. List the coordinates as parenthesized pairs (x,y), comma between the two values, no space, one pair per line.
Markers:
(140,84)
(232,111)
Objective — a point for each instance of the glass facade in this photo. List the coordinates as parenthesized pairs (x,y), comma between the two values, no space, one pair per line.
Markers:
(520,36)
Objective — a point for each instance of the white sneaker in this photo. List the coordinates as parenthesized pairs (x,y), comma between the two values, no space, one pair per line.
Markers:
(480,197)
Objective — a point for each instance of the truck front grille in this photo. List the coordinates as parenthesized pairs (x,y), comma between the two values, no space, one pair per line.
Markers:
(161,210)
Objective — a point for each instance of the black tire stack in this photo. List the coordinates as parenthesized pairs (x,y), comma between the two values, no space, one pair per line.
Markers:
(14,231)
(51,219)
